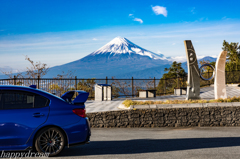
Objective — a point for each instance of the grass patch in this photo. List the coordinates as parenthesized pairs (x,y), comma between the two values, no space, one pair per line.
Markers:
(127,103)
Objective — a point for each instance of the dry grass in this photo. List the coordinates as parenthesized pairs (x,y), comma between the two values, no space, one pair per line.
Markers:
(127,103)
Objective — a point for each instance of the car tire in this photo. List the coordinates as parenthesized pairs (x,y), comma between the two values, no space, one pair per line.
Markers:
(50,140)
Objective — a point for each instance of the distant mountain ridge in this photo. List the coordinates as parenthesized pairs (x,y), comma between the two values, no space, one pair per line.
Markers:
(158,71)
(119,58)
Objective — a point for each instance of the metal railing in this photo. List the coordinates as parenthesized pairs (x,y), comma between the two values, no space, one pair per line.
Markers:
(120,87)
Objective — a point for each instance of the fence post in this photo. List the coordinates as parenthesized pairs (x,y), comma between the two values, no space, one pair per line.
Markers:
(38,79)
(208,77)
(106,80)
(154,83)
(178,82)
(75,82)
(14,80)
(132,88)
(164,85)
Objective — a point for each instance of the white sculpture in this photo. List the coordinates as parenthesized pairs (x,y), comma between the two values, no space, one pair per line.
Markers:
(219,81)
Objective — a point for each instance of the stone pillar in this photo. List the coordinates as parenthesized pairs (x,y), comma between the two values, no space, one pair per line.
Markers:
(98,93)
(109,93)
(219,81)
(193,88)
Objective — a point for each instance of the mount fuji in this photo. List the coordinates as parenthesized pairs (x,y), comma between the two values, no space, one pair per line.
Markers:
(117,58)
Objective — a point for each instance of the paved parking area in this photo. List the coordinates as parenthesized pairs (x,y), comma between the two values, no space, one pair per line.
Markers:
(205,93)
(155,143)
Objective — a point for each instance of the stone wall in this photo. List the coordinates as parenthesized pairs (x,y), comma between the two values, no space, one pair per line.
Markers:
(168,117)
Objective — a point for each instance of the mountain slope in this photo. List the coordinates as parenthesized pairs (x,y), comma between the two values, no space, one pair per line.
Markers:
(119,56)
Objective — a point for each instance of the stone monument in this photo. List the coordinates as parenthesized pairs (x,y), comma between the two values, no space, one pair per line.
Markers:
(103,92)
(219,81)
(193,86)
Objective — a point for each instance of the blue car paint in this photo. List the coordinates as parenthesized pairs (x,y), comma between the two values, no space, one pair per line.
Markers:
(18,127)
(81,98)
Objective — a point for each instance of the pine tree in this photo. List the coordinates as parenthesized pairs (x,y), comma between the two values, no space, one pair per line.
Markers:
(233,55)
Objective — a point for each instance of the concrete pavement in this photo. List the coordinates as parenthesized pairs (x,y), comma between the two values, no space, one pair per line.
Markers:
(205,93)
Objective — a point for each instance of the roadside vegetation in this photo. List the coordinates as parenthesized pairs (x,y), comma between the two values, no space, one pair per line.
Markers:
(128,103)
(176,77)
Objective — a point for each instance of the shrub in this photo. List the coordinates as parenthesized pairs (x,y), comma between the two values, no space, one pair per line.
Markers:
(127,103)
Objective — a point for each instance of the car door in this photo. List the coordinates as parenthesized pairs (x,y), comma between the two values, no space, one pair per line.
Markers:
(20,114)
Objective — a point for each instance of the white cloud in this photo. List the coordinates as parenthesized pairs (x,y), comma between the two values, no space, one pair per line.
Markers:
(225,17)
(184,59)
(94,39)
(178,58)
(160,10)
(135,19)
(173,43)
(138,20)
(193,10)
(207,38)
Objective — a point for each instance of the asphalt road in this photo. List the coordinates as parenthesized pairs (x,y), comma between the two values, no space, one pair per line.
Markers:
(142,143)
(210,142)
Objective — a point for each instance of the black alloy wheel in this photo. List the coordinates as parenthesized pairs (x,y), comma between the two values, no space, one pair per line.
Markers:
(50,140)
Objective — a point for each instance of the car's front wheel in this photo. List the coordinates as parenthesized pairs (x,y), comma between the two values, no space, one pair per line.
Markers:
(50,140)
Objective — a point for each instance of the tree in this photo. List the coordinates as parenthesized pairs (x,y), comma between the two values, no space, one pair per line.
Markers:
(172,79)
(58,87)
(206,72)
(202,62)
(87,85)
(233,55)
(233,60)
(36,69)
(174,71)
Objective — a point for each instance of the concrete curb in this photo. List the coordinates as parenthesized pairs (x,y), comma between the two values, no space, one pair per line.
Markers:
(193,105)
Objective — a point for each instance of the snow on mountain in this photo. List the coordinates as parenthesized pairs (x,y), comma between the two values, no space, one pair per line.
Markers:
(120,58)
(121,45)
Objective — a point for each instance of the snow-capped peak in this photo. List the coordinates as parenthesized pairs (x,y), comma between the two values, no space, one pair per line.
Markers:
(118,41)
(121,45)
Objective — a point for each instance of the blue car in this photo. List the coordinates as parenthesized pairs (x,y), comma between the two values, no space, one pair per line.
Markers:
(32,119)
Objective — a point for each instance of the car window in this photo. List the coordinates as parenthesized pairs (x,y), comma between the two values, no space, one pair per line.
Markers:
(17,100)
(40,101)
(23,100)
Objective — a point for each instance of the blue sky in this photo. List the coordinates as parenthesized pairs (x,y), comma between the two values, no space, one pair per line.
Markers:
(61,31)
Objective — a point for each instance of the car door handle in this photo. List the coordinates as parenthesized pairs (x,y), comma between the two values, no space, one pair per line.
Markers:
(38,114)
